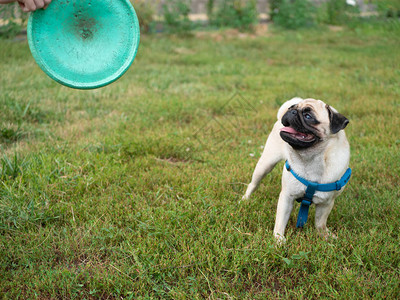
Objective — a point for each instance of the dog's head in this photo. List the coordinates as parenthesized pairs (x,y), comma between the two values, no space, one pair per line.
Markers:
(308,122)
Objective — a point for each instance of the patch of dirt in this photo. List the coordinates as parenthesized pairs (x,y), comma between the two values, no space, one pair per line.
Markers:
(336,28)
(172,160)
(228,34)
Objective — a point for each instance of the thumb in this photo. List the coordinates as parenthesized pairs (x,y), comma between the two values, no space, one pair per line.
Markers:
(23,7)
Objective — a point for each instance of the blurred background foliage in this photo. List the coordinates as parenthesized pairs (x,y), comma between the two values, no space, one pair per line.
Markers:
(388,8)
(12,20)
(293,14)
(239,14)
(146,12)
(176,16)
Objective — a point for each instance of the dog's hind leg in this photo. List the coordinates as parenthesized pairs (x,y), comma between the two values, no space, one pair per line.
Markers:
(271,156)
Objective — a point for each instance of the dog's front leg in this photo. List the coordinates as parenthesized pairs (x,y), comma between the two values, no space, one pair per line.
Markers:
(264,166)
(272,154)
(283,211)
(322,212)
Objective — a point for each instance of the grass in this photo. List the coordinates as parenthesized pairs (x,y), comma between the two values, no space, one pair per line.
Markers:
(131,191)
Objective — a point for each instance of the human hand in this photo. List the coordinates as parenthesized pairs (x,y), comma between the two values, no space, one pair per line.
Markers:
(32,5)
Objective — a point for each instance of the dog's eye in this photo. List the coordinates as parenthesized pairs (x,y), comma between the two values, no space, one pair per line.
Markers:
(308,116)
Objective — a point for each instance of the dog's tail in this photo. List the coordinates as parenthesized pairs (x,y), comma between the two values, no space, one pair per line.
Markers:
(285,106)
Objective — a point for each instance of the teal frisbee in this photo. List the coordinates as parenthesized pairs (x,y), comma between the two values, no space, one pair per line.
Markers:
(84,44)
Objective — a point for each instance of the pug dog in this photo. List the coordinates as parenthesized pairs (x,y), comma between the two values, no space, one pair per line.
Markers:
(309,135)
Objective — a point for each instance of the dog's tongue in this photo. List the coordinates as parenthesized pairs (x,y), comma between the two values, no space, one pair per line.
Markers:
(299,135)
(289,130)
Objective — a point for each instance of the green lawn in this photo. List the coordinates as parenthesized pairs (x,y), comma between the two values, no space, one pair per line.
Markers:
(132,190)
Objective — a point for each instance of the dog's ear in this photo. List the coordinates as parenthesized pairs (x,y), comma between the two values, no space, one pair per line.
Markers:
(337,121)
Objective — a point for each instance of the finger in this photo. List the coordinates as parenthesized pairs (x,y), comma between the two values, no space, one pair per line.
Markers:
(28,5)
(39,3)
(46,3)
(23,7)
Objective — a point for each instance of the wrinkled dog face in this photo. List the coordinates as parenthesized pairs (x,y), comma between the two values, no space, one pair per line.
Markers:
(310,122)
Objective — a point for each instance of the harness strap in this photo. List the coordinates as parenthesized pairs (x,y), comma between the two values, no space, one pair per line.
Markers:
(311,188)
(303,213)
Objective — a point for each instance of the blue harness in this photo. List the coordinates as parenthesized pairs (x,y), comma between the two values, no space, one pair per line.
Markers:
(311,188)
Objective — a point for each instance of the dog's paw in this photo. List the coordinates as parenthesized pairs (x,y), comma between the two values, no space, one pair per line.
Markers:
(330,235)
(279,239)
(243,199)
(327,234)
